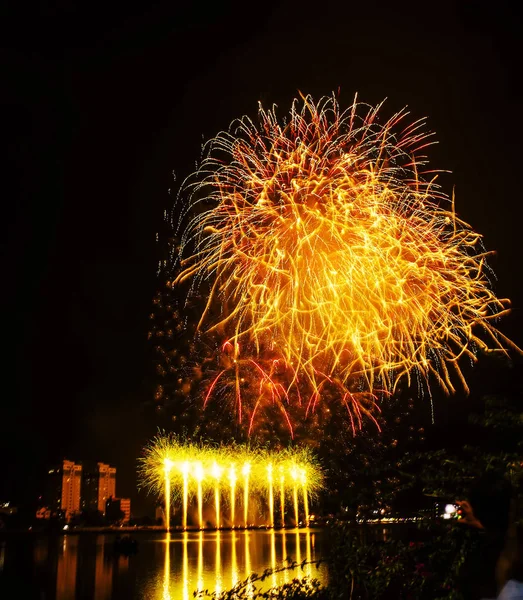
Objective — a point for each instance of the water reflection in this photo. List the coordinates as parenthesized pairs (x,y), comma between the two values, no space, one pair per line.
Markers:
(298,549)
(67,568)
(248,569)
(200,561)
(185,577)
(273,559)
(216,561)
(167,566)
(40,552)
(285,557)
(308,549)
(218,565)
(103,577)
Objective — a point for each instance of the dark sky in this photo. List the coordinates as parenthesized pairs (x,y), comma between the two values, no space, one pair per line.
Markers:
(102,101)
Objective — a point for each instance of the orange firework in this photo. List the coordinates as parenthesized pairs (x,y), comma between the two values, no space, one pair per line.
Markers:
(323,242)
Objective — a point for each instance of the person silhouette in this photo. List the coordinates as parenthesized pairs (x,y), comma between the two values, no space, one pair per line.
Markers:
(491,566)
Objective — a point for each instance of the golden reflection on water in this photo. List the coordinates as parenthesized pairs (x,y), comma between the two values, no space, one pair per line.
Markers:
(234,564)
(273,558)
(216,561)
(40,552)
(67,568)
(298,549)
(174,565)
(248,570)
(86,574)
(200,561)
(218,565)
(284,555)
(308,550)
(103,582)
(185,574)
(167,568)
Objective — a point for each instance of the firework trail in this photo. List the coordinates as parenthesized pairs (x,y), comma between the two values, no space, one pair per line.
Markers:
(328,253)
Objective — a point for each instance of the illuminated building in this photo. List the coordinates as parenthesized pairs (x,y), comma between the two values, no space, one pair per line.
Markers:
(63,489)
(72,488)
(98,484)
(115,506)
(125,507)
(106,485)
(71,484)
(90,485)
(52,496)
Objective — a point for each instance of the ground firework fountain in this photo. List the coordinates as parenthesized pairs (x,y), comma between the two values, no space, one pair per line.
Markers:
(168,466)
(191,475)
(217,473)
(271,495)
(232,480)
(246,471)
(185,471)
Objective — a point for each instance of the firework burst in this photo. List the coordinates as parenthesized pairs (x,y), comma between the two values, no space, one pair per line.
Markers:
(328,253)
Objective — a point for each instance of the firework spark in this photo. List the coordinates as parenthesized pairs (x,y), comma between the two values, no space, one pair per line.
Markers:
(324,243)
(183,472)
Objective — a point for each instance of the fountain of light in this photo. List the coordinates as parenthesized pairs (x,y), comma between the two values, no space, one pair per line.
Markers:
(217,473)
(282,495)
(168,465)
(232,483)
(185,473)
(246,471)
(190,473)
(294,474)
(199,476)
(303,478)
(271,495)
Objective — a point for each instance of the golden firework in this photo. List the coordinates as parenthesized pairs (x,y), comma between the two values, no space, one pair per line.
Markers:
(325,244)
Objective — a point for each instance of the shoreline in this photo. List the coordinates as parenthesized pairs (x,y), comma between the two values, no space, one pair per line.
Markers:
(145,529)
(139,530)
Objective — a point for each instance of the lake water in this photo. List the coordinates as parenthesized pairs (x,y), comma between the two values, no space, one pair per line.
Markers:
(166,567)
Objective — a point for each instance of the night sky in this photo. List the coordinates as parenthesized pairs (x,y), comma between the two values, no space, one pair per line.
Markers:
(102,102)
